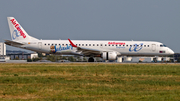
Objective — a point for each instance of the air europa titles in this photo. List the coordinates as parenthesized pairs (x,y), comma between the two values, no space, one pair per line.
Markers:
(116,43)
(17,26)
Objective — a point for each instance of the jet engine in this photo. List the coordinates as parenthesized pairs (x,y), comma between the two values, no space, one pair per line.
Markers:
(109,55)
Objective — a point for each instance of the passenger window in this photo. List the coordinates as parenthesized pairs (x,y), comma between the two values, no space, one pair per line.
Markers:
(52,44)
(148,45)
(93,44)
(48,44)
(86,44)
(109,45)
(127,45)
(82,44)
(59,44)
(55,44)
(44,44)
(79,44)
(97,45)
(144,45)
(89,44)
(105,45)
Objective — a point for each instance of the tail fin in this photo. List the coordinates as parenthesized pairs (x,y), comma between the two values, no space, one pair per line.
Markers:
(17,32)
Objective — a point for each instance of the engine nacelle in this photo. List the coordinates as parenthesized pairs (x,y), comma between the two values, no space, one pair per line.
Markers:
(109,55)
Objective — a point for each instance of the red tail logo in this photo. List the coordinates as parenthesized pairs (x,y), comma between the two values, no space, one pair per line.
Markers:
(18,27)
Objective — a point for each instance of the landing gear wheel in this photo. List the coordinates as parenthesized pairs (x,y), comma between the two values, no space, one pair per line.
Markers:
(155,60)
(91,60)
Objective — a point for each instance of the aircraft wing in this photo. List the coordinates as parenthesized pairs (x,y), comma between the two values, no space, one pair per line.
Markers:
(13,43)
(86,51)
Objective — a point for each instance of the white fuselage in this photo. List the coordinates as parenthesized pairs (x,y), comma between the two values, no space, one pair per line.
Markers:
(128,48)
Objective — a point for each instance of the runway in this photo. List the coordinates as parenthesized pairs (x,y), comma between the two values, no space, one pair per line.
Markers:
(86,63)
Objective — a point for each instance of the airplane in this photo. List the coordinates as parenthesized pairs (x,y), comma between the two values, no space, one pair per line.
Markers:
(107,50)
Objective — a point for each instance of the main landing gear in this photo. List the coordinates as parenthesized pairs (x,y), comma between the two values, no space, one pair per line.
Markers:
(155,60)
(91,59)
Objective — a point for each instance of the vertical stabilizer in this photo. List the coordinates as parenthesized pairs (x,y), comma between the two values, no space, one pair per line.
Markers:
(17,32)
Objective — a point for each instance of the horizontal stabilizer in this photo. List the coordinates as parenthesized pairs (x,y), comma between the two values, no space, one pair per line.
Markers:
(13,43)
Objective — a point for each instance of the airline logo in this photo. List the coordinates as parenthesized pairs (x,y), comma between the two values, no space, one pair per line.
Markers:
(55,48)
(18,32)
(116,43)
(136,47)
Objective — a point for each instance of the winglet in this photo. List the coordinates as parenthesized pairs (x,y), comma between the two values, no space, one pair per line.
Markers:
(72,44)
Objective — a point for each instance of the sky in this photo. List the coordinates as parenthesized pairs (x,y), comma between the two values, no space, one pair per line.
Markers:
(122,20)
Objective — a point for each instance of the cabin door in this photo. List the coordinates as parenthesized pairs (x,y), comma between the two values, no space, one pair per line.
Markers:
(40,45)
(153,47)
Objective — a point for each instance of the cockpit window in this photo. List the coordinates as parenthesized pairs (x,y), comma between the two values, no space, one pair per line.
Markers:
(162,45)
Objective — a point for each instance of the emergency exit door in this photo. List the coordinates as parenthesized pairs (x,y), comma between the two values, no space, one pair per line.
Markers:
(40,45)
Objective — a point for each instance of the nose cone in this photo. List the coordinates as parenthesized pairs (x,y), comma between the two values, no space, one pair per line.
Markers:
(171,51)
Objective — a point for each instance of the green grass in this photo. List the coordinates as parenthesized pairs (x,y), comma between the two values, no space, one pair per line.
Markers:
(90,82)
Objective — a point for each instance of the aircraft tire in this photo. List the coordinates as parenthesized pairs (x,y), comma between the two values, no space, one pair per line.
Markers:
(155,60)
(91,59)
